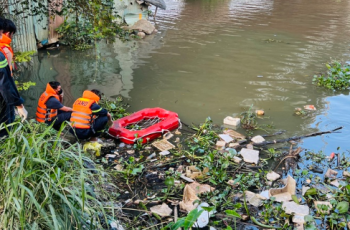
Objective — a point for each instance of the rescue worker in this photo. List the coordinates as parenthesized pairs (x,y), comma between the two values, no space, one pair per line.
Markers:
(50,108)
(9,96)
(5,41)
(88,118)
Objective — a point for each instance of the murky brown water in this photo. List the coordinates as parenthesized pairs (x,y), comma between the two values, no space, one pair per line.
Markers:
(207,56)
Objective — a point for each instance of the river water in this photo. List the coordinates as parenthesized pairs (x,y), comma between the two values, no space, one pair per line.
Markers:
(206,58)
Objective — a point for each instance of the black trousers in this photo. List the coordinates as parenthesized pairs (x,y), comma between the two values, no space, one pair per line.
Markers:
(61,117)
(7,116)
(96,130)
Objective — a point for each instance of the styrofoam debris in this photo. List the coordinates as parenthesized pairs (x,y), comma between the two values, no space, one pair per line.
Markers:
(220,145)
(130,151)
(225,137)
(232,121)
(119,167)
(335,183)
(319,209)
(233,145)
(163,145)
(250,156)
(284,194)
(265,194)
(258,139)
(201,188)
(304,189)
(151,156)
(237,159)
(162,210)
(346,173)
(234,134)
(299,219)
(233,183)
(189,196)
(254,199)
(272,176)
(164,153)
(203,219)
(186,178)
(331,173)
(292,207)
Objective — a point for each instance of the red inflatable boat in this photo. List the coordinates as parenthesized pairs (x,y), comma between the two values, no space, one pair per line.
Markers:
(146,124)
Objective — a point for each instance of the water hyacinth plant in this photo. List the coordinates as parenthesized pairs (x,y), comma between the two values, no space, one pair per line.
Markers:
(336,78)
(45,185)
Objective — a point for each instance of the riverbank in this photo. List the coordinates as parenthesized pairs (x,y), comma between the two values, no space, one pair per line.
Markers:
(143,187)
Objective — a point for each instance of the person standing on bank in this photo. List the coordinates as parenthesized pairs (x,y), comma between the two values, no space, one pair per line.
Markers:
(5,41)
(9,96)
(50,108)
(88,118)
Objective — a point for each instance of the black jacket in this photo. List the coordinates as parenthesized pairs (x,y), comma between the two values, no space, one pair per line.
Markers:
(8,90)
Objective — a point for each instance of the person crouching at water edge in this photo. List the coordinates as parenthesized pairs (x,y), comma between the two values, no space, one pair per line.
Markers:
(50,108)
(88,118)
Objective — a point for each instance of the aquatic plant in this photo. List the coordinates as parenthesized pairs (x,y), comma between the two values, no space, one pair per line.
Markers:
(24,56)
(115,107)
(44,184)
(23,86)
(249,119)
(205,137)
(337,76)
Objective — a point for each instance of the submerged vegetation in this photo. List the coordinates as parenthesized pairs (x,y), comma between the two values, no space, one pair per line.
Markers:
(337,76)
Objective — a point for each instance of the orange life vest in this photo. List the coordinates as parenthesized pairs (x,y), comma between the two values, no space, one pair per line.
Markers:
(3,63)
(5,42)
(44,114)
(82,117)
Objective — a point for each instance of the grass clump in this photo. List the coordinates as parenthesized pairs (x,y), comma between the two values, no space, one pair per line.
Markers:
(44,184)
(337,76)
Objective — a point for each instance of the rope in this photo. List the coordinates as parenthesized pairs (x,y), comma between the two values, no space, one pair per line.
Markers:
(180,124)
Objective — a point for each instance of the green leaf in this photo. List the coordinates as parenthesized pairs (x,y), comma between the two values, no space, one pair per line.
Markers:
(137,170)
(310,192)
(295,199)
(343,207)
(191,218)
(157,216)
(180,223)
(209,209)
(169,181)
(232,213)
(308,218)
(310,227)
